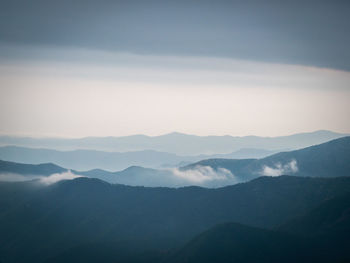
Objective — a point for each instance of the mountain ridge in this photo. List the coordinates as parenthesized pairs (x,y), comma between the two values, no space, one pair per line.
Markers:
(190,144)
(331,158)
(324,160)
(112,161)
(319,235)
(90,210)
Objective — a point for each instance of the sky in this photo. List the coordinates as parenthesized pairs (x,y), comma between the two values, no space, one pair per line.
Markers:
(115,68)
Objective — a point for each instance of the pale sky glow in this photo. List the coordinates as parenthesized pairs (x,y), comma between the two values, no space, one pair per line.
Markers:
(78,93)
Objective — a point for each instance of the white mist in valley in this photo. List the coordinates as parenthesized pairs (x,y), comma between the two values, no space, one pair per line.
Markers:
(279,169)
(204,176)
(54,178)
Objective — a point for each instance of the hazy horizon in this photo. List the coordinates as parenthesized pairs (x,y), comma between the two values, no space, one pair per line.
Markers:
(170,133)
(121,68)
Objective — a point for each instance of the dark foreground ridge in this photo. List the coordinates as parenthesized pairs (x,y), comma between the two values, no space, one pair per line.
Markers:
(77,217)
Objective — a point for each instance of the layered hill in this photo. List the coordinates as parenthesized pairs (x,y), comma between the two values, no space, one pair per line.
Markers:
(176,143)
(113,161)
(324,160)
(329,159)
(44,169)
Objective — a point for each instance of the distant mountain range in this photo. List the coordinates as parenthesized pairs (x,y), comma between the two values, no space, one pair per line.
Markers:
(88,220)
(330,159)
(113,161)
(177,143)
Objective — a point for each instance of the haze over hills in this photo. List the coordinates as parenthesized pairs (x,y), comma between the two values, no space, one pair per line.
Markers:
(133,176)
(177,143)
(324,160)
(30,169)
(113,161)
(330,159)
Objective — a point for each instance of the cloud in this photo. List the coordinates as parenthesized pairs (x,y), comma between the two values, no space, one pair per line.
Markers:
(13,177)
(204,176)
(47,180)
(54,178)
(279,169)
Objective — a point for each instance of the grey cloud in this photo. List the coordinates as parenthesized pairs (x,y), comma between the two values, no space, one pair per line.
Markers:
(256,30)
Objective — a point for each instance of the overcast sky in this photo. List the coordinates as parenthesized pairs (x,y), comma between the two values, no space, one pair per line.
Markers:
(102,68)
